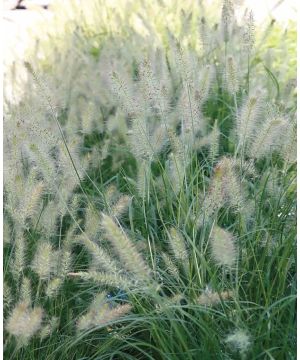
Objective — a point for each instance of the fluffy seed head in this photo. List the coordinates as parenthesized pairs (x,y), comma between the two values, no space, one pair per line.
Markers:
(176,172)
(249,31)
(18,263)
(99,305)
(269,137)
(150,87)
(227,19)
(231,79)
(247,119)
(25,292)
(223,247)
(113,280)
(110,194)
(289,147)
(224,190)
(123,245)
(100,257)
(48,329)
(177,146)
(6,233)
(101,313)
(32,201)
(24,322)
(54,287)
(121,206)
(189,106)
(204,34)
(169,302)
(44,262)
(124,94)
(140,139)
(113,315)
(65,263)
(7,296)
(210,298)
(92,222)
(49,217)
(177,245)
(207,76)
(240,340)
(170,266)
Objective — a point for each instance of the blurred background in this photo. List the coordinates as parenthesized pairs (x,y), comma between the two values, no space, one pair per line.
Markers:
(36,30)
(24,19)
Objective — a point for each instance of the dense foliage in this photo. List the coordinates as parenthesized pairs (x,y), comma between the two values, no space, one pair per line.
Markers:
(150,188)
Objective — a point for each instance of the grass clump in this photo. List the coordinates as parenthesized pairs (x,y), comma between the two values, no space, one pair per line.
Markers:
(149,201)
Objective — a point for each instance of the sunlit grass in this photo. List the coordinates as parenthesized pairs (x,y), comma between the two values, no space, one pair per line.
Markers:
(150,189)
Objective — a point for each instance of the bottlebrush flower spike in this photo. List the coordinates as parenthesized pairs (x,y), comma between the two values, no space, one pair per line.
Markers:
(125,248)
(268,137)
(101,313)
(247,120)
(44,262)
(178,246)
(231,78)
(227,19)
(223,247)
(225,189)
(210,298)
(249,31)
(24,322)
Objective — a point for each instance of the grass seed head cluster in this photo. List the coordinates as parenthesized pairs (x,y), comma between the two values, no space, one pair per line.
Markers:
(150,189)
